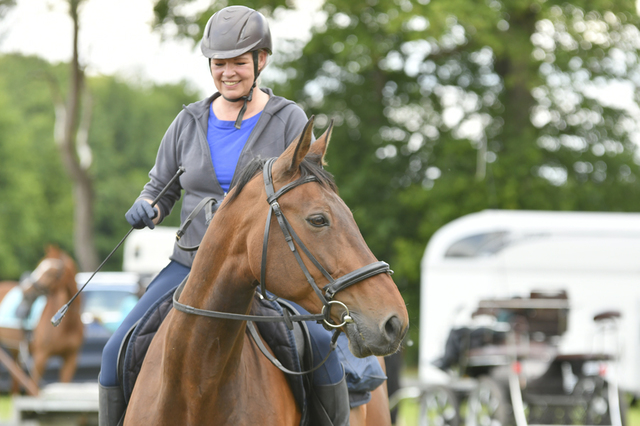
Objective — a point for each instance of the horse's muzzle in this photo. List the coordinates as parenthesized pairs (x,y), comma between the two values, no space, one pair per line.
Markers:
(366,339)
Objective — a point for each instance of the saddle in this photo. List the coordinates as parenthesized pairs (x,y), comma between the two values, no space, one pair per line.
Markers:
(290,347)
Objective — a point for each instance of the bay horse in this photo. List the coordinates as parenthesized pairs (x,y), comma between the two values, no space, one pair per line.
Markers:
(202,367)
(54,277)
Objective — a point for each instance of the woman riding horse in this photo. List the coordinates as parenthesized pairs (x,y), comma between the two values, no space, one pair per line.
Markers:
(283,229)
(214,139)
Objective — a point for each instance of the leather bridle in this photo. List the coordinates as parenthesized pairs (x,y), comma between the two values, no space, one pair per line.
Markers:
(330,290)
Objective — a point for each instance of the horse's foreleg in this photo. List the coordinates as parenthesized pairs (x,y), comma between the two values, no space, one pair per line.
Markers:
(68,367)
(378,413)
(358,416)
(39,364)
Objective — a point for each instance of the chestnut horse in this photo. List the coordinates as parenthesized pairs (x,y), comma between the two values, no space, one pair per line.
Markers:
(54,277)
(202,367)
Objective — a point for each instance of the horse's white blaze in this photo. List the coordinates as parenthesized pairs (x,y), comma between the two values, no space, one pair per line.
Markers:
(45,266)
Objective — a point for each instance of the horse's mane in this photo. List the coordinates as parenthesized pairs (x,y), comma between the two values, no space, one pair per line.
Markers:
(310,166)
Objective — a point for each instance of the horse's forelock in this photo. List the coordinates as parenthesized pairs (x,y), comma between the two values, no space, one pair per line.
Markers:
(309,167)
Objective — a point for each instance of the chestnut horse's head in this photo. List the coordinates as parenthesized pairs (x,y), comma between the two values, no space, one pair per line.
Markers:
(55,272)
(324,234)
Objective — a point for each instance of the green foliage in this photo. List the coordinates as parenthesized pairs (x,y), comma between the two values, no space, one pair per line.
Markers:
(36,208)
(128,123)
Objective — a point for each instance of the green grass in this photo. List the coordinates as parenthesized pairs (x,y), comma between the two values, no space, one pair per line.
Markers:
(408,414)
(633,416)
(6,409)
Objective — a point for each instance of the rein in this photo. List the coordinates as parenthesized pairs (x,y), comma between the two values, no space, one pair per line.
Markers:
(288,319)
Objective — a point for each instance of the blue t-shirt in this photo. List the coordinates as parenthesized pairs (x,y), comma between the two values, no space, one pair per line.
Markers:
(226,143)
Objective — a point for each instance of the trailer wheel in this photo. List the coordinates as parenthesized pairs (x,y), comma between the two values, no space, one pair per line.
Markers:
(439,407)
(487,404)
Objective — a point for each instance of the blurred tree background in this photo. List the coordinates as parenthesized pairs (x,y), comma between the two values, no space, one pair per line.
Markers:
(442,108)
(37,197)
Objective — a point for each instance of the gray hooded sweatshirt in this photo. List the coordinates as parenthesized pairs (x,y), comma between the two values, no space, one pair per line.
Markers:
(185,144)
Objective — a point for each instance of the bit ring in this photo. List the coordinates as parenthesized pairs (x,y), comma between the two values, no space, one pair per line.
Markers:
(346,316)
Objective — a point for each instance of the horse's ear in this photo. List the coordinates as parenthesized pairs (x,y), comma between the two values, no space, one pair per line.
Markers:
(319,147)
(288,163)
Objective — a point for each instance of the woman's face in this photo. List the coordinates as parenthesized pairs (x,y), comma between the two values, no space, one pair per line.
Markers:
(234,77)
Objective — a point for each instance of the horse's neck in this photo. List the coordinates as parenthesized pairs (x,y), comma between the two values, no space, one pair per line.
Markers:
(217,282)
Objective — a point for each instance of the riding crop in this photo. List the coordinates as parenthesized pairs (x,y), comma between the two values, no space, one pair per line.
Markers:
(55,320)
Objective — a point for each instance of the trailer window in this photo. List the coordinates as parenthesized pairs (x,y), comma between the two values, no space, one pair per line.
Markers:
(478,245)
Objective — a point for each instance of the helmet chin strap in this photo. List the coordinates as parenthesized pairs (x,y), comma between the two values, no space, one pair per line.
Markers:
(246,98)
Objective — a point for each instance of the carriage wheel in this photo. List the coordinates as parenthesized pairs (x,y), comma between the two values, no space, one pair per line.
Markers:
(595,391)
(439,407)
(487,405)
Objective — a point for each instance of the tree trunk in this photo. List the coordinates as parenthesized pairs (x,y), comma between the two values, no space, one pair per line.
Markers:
(68,138)
(518,136)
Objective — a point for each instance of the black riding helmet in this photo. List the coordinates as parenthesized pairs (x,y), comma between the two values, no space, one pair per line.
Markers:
(231,32)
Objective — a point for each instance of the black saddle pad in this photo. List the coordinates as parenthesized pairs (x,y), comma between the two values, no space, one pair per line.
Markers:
(280,339)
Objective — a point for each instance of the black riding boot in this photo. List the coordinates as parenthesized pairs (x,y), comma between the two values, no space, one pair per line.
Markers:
(111,405)
(330,405)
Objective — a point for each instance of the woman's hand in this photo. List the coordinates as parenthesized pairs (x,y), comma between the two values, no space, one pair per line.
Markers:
(141,214)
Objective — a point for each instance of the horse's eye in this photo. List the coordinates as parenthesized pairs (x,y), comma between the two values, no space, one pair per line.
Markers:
(318,220)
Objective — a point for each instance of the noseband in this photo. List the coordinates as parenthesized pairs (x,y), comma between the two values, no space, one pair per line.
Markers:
(330,290)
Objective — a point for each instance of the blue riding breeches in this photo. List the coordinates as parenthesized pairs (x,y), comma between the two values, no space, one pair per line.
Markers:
(170,277)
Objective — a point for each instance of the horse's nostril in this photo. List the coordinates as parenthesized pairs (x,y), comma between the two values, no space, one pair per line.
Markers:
(392,328)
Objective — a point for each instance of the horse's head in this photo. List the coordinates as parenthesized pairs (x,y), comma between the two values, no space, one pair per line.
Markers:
(330,246)
(55,272)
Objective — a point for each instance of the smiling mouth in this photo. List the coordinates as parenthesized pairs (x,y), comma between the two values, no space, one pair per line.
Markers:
(230,83)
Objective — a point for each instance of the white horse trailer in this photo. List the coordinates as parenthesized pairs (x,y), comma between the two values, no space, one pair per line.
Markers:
(594,257)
